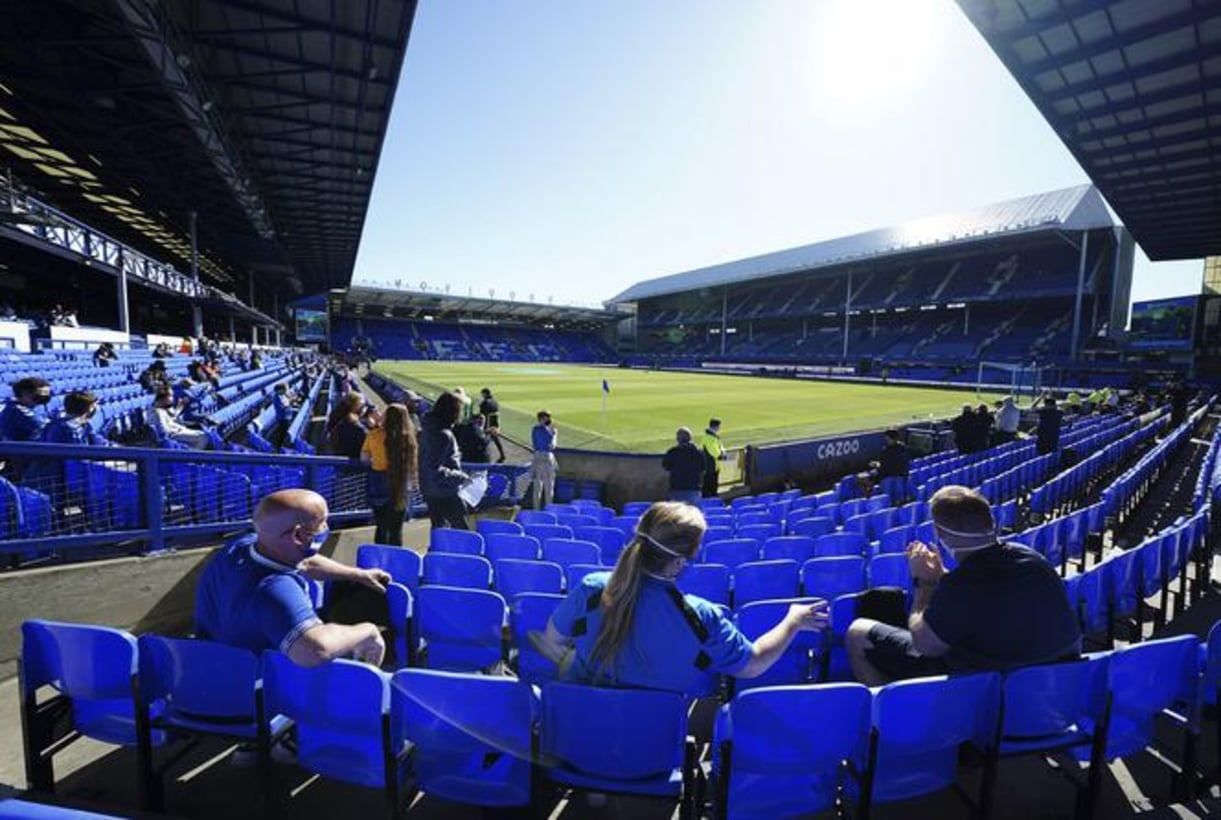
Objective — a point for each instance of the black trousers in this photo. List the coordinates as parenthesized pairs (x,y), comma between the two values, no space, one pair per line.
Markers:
(712,483)
(447,512)
(388,525)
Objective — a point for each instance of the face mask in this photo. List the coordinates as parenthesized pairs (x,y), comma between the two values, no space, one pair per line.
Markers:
(315,543)
(42,398)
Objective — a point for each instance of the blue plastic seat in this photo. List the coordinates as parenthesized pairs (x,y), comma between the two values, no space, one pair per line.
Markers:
(544,531)
(610,541)
(795,665)
(896,539)
(94,669)
(527,517)
(464,542)
(512,576)
(638,508)
(751,518)
(764,580)
(760,532)
(708,581)
(920,726)
(780,751)
(840,543)
(629,741)
(890,570)
(470,735)
(521,547)
(569,551)
(575,572)
(812,526)
(403,565)
(576,521)
(829,578)
(530,612)
(1120,578)
(461,629)
(714,503)
(799,548)
(913,513)
(457,570)
(731,553)
(347,726)
(717,533)
(495,526)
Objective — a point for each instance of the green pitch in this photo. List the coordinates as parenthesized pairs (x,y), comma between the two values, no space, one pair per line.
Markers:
(645,407)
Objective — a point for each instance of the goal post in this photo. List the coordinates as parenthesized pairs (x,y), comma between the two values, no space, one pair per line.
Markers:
(1019,380)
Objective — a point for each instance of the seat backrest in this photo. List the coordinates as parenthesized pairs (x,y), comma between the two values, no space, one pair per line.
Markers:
(569,551)
(731,553)
(717,533)
(794,666)
(527,517)
(760,532)
(502,545)
(512,576)
(764,580)
(199,678)
(455,570)
(840,543)
(896,539)
(829,578)
(799,548)
(610,540)
(576,521)
(78,660)
(616,734)
(1144,679)
(708,581)
(638,508)
(457,713)
(492,526)
(574,573)
(457,541)
(404,565)
(461,627)
(530,612)
(1047,702)
(544,531)
(890,570)
(813,526)
(1119,577)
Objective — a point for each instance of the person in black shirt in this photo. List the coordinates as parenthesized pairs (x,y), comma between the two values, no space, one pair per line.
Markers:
(1048,431)
(1001,608)
(893,462)
(489,408)
(345,432)
(104,355)
(685,464)
(963,426)
(473,441)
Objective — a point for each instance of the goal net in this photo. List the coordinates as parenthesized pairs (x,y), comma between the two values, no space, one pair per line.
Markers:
(1015,379)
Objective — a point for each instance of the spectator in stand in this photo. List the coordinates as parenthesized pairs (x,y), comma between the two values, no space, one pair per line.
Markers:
(104,355)
(685,464)
(984,423)
(1007,420)
(164,421)
(1001,608)
(964,427)
(489,408)
(467,404)
(441,473)
(154,376)
(714,453)
(191,392)
(25,414)
(894,462)
(392,453)
(7,313)
(255,592)
(256,360)
(72,426)
(162,351)
(1180,396)
(345,432)
(633,628)
(543,438)
(285,403)
(473,440)
(1048,431)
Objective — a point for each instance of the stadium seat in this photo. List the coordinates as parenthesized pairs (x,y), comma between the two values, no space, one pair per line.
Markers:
(527,517)
(896,539)
(890,570)
(638,508)
(544,531)
(795,665)
(780,751)
(512,576)
(760,532)
(455,541)
(829,578)
(630,741)
(610,541)
(717,534)
(493,526)
(799,548)
(731,553)
(764,580)
(626,525)
(461,629)
(713,503)
(750,518)
(530,612)
(93,669)
(576,521)
(569,551)
(918,757)
(840,543)
(456,570)
(340,711)
(575,572)
(470,736)
(404,565)
(858,523)
(501,546)
(708,581)
(813,526)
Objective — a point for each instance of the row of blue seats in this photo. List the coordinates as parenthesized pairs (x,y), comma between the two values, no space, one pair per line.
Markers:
(478,739)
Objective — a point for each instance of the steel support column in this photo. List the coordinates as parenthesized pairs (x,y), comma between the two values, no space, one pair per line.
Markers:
(1085,246)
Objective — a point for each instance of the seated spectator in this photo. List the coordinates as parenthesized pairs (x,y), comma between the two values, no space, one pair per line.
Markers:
(285,403)
(255,592)
(72,426)
(633,628)
(894,462)
(473,441)
(345,430)
(164,420)
(25,414)
(154,376)
(162,351)
(1002,607)
(104,355)
(685,464)
(191,392)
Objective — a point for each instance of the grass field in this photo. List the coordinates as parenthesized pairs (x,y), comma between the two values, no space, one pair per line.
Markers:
(645,407)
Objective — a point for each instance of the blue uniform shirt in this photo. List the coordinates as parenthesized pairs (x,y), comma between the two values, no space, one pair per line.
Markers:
(21,423)
(250,601)
(663,649)
(542,438)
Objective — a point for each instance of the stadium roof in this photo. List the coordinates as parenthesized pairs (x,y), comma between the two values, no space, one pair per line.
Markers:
(1133,88)
(1070,209)
(377,302)
(266,117)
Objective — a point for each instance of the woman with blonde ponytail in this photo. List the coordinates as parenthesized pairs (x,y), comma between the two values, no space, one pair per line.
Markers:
(632,627)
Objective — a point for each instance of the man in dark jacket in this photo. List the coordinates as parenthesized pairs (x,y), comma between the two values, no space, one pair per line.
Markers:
(1048,431)
(685,464)
(964,428)
(473,441)
(441,473)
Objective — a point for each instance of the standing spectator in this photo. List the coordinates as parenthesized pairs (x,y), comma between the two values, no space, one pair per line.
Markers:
(473,441)
(489,408)
(104,355)
(467,403)
(441,473)
(164,421)
(1180,395)
(963,426)
(714,452)
(983,428)
(154,376)
(345,434)
(1003,607)
(391,451)
(685,464)
(543,438)
(1048,431)
(894,462)
(1007,420)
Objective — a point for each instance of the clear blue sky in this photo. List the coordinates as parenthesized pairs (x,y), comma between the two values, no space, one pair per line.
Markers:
(568,149)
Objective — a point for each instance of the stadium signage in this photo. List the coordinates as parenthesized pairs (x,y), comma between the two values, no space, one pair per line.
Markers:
(814,459)
(840,448)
